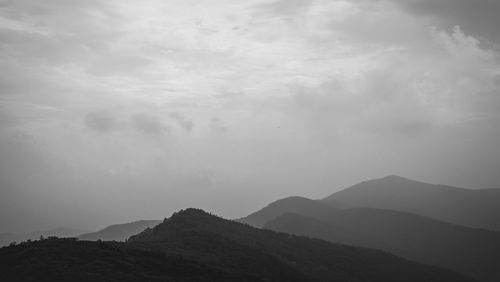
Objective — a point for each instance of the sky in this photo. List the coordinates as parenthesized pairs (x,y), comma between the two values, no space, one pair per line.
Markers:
(118,110)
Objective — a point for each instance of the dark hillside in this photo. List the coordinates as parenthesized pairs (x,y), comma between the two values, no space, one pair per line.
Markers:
(193,245)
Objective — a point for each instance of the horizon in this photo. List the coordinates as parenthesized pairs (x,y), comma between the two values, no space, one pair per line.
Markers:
(160,218)
(117,110)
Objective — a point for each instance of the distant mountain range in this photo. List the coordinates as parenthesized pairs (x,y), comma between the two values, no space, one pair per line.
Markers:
(119,232)
(472,208)
(472,251)
(115,232)
(300,205)
(193,245)
(449,227)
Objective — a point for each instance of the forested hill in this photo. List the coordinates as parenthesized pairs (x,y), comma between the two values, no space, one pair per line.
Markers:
(243,248)
(193,245)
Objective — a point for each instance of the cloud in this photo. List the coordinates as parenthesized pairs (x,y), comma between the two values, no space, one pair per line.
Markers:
(217,126)
(182,121)
(284,7)
(333,111)
(268,96)
(371,25)
(468,72)
(149,124)
(101,121)
(449,83)
(63,31)
(477,17)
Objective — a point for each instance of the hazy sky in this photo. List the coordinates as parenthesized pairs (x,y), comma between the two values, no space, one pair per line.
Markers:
(113,111)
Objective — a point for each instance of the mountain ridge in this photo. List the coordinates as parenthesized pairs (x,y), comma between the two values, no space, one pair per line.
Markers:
(467,207)
(178,231)
(471,250)
(193,245)
(119,232)
(269,212)
(475,252)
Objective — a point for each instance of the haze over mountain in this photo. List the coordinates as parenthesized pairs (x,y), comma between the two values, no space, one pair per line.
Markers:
(119,232)
(475,252)
(199,234)
(193,245)
(295,204)
(118,110)
(473,208)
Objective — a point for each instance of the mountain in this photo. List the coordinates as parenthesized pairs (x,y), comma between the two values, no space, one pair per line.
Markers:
(472,208)
(119,232)
(71,260)
(193,245)
(291,204)
(475,252)
(116,232)
(7,238)
(265,254)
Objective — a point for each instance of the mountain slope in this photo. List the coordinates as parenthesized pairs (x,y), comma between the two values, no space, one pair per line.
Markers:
(71,260)
(474,252)
(291,204)
(472,208)
(265,254)
(7,238)
(119,232)
(195,246)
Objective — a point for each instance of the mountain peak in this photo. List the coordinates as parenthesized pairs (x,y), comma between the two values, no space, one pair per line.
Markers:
(193,245)
(393,177)
(190,212)
(390,180)
(183,221)
(472,208)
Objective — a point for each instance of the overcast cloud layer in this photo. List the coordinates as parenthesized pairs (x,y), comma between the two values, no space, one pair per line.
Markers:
(112,111)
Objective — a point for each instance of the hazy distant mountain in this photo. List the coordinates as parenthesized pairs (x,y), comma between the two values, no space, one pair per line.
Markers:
(195,246)
(475,252)
(468,250)
(119,232)
(291,204)
(473,208)
(7,238)
(265,253)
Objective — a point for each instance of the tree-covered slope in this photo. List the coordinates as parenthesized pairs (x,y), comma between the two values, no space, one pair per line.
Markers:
(119,232)
(241,247)
(193,245)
